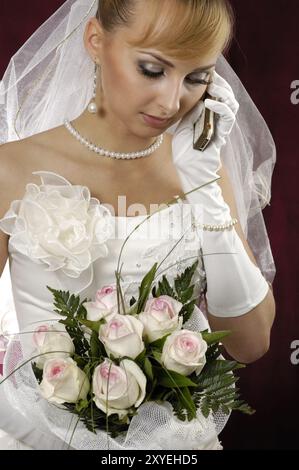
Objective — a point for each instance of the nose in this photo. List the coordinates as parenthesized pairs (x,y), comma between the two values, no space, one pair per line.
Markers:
(170,98)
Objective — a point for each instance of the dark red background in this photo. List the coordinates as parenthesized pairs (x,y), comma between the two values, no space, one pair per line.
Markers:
(265,55)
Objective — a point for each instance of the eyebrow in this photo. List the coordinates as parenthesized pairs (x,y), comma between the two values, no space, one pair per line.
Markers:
(161,59)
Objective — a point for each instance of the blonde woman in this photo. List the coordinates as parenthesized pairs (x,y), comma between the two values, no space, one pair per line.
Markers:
(99,108)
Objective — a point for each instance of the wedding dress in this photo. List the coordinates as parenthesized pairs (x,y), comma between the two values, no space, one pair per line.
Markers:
(47,245)
(45,229)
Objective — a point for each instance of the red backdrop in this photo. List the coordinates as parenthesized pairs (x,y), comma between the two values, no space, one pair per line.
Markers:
(265,55)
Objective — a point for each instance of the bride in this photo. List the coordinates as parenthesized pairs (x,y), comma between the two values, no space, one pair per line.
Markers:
(101,105)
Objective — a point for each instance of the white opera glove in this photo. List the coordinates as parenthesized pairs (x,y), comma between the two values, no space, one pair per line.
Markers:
(235,284)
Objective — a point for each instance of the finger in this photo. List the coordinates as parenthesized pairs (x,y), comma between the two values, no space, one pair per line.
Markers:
(219,80)
(224,95)
(220,108)
(226,123)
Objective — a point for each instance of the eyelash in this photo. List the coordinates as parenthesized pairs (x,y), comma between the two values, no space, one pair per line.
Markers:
(156,75)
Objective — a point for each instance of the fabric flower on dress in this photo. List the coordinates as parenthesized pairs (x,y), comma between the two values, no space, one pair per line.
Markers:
(60,225)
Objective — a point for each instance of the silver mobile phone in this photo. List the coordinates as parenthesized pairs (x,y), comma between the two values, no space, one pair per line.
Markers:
(203,128)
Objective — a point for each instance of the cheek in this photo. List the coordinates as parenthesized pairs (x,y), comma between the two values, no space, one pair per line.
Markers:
(199,94)
(120,82)
(193,98)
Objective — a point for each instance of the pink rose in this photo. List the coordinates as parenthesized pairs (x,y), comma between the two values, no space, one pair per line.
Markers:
(122,336)
(160,317)
(63,381)
(53,340)
(118,388)
(184,352)
(105,304)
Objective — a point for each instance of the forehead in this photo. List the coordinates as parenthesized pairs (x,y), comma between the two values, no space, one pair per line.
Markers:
(159,30)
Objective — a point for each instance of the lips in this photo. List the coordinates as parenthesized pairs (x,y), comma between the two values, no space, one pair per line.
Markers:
(155,122)
(158,118)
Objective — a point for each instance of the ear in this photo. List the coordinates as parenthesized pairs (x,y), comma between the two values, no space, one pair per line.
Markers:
(93,38)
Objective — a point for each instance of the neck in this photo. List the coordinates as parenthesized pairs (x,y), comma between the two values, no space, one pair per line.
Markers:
(108,132)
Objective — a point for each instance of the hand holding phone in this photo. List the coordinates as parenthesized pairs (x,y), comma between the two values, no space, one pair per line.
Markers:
(204,127)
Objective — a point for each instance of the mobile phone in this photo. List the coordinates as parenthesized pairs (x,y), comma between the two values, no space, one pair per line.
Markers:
(204,127)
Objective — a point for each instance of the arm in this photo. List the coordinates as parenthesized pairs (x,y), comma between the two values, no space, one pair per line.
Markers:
(5,192)
(3,250)
(250,337)
(11,420)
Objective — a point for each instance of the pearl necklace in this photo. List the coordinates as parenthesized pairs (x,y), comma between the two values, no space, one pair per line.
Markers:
(107,153)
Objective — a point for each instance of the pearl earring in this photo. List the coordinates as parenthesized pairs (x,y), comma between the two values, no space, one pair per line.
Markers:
(92,107)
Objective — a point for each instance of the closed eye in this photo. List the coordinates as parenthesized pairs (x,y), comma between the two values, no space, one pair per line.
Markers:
(155,75)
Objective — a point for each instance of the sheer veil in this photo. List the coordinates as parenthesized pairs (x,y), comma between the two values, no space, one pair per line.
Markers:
(51,78)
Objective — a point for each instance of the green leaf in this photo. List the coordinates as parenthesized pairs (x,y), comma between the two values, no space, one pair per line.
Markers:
(245,408)
(228,398)
(187,294)
(67,322)
(219,367)
(81,405)
(67,304)
(225,409)
(217,390)
(183,281)
(144,289)
(92,325)
(159,343)
(154,292)
(215,336)
(82,312)
(187,403)
(95,345)
(140,358)
(132,310)
(187,310)
(213,352)
(164,288)
(204,408)
(80,361)
(221,383)
(148,369)
(215,406)
(171,379)
(74,304)
(87,369)
(157,355)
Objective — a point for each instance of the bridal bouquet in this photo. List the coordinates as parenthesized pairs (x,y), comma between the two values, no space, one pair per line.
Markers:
(104,359)
(133,372)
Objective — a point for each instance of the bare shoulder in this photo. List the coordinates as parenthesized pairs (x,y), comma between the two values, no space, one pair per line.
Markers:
(18,160)
(10,174)
(15,169)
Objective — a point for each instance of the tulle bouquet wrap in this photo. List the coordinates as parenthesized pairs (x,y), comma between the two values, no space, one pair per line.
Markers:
(126,372)
(111,375)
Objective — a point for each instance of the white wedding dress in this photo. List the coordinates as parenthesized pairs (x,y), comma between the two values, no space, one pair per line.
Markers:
(60,236)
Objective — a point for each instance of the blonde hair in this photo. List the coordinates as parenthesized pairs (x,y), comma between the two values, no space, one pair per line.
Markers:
(185,29)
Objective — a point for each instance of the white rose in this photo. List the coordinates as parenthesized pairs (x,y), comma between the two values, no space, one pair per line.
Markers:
(50,338)
(61,226)
(63,381)
(122,336)
(118,388)
(160,317)
(105,304)
(184,352)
